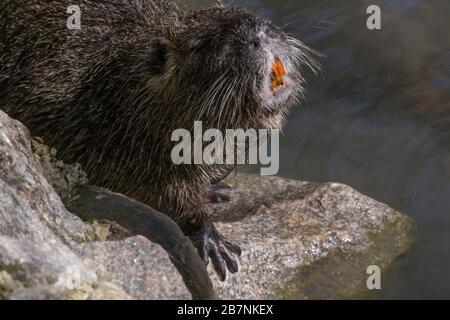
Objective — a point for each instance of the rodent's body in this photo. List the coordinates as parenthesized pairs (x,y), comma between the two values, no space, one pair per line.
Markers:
(110,95)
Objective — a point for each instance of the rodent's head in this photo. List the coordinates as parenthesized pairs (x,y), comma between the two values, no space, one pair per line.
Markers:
(237,68)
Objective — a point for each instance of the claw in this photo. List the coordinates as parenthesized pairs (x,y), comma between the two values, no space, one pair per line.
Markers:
(217,197)
(218,263)
(233,248)
(203,252)
(211,245)
(231,262)
(221,185)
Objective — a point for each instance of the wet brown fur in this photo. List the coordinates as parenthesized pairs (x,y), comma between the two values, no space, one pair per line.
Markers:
(109,95)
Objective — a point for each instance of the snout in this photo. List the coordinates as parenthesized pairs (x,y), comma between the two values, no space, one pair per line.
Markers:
(262,38)
(278,81)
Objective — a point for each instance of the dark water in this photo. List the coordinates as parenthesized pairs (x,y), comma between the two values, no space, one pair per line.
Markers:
(378,119)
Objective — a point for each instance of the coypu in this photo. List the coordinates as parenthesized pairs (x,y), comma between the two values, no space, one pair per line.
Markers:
(110,94)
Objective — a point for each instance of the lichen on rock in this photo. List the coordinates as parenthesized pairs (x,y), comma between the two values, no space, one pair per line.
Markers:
(63,177)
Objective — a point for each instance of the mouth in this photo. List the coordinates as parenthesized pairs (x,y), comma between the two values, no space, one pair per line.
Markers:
(278,73)
(279,80)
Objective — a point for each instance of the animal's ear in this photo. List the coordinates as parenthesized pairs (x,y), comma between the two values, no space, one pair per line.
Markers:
(157,55)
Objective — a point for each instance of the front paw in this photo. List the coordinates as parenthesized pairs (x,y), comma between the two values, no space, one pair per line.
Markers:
(212,245)
(215,196)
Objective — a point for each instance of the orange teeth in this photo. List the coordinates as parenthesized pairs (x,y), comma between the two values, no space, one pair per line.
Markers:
(277,73)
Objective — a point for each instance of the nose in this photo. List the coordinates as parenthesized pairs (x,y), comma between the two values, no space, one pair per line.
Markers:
(261,38)
(262,35)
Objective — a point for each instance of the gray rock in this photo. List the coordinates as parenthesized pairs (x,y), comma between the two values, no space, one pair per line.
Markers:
(30,209)
(96,203)
(304,240)
(44,249)
(299,240)
(41,269)
(134,264)
(36,231)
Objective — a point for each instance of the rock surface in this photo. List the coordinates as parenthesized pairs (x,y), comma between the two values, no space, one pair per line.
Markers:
(306,240)
(299,240)
(139,267)
(45,252)
(36,230)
